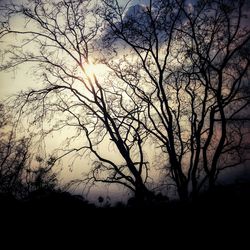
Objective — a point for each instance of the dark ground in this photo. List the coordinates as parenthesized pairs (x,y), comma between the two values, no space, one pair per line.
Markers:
(226,202)
(218,218)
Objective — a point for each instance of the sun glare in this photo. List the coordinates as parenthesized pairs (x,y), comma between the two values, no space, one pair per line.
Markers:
(90,69)
(95,70)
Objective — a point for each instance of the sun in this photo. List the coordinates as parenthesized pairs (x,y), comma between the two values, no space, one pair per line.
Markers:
(95,70)
(90,69)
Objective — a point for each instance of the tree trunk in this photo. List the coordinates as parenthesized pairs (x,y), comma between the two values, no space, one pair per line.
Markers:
(183,192)
(142,194)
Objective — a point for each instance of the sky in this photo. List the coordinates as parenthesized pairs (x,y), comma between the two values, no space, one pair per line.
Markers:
(14,81)
(22,78)
(133,2)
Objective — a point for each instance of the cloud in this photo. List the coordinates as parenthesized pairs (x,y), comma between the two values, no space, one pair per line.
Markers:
(137,25)
(135,22)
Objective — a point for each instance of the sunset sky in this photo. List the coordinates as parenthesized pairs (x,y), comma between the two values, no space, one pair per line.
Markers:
(24,78)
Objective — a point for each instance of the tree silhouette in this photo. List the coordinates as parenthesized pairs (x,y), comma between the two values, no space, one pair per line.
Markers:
(14,158)
(19,177)
(178,79)
(62,42)
(189,66)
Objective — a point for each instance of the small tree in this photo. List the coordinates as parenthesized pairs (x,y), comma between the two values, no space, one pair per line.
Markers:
(14,158)
(18,174)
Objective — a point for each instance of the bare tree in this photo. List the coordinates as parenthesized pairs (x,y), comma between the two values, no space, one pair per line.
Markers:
(14,158)
(20,175)
(189,65)
(60,37)
(219,54)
